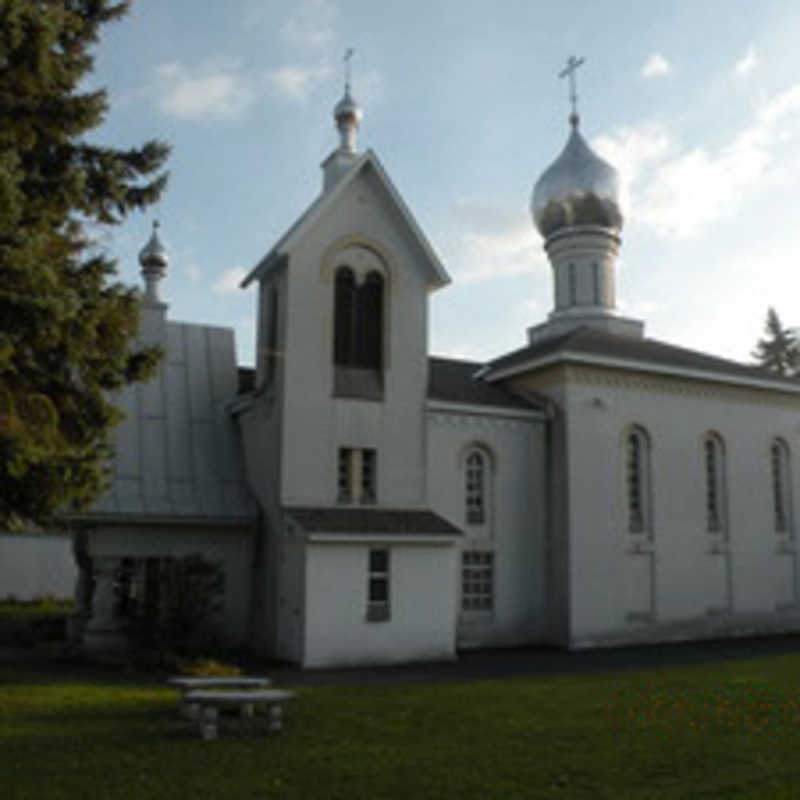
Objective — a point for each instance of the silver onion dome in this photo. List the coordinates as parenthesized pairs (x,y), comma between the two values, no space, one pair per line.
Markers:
(154,254)
(347,109)
(578,188)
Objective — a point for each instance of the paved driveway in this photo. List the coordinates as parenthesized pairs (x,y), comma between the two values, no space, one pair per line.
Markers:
(483,664)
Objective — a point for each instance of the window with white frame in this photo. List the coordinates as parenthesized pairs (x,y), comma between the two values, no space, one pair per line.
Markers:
(475,494)
(781,486)
(378,609)
(714,466)
(477,580)
(637,480)
(357,476)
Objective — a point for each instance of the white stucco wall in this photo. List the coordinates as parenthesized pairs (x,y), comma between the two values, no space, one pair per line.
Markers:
(36,565)
(291,597)
(231,546)
(675,586)
(422,597)
(515,529)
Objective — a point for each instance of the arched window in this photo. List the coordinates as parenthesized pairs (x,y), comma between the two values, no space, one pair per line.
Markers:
(344,316)
(714,466)
(370,322)
(781,486)
(572,279)
(358,320)
(476,488)
(596,283)
(637,480)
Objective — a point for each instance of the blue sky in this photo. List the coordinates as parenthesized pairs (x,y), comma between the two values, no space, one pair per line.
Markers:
(697,105)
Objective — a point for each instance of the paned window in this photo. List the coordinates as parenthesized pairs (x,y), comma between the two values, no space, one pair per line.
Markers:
(378,585)
(596,282)
(357,476)
(477,580)
(781,484)
(368,476)
(344,478)
(476,488)
(637,479)
(714,464)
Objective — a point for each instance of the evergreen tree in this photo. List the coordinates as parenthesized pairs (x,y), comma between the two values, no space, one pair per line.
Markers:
(778,351)
(67,327)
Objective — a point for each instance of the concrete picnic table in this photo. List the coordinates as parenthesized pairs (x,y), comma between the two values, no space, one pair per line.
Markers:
(187,684)
(211,701)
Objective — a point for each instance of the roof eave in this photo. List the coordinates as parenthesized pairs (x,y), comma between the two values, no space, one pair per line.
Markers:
(323,201)
(346,537)
(495,374)
(454,407)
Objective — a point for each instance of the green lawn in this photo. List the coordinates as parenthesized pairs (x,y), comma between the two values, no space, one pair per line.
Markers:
(730,729)
(48,607)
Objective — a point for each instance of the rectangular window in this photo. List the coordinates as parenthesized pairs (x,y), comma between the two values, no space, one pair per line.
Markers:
(357,476)
(477,580)
(344,478)
(368,476)
(378,585)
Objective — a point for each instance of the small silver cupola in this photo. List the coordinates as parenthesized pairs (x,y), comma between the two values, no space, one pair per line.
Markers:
(347,115)
(578,188)
(154,261)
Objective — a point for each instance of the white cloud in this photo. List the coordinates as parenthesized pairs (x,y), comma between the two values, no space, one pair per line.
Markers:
(632,150)
(698,187)
(677,193)
(294,82)
(499,242)
(311,25)
(215,90)
(193,272)
(656,66)
(229,280)
(746,64)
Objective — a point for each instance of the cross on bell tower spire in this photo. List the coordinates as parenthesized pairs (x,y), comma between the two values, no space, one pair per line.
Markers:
(348,67)
(569,72)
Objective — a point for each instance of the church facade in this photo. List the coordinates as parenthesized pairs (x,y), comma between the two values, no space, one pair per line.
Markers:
(373,504)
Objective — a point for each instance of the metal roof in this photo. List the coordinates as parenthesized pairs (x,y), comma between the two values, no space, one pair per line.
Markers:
(593,346)
(454,381)
(360,519)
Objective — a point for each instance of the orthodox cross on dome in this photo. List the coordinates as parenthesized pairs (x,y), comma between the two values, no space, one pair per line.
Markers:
(569,72)
(347,68)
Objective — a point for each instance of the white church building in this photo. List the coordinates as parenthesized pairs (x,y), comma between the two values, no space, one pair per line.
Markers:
(373,504)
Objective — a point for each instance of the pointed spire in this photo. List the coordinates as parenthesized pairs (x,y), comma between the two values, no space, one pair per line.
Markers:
(154,260)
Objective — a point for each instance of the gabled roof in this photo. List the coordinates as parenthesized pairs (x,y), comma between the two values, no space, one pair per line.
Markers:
(177,452)
(454,381)
(591,346)
(358,519)
(324,201)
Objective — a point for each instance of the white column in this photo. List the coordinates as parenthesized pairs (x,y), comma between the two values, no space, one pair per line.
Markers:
(104,631)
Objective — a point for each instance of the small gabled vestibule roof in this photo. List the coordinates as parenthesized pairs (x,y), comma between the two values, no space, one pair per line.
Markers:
(365,522)
(437,274)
